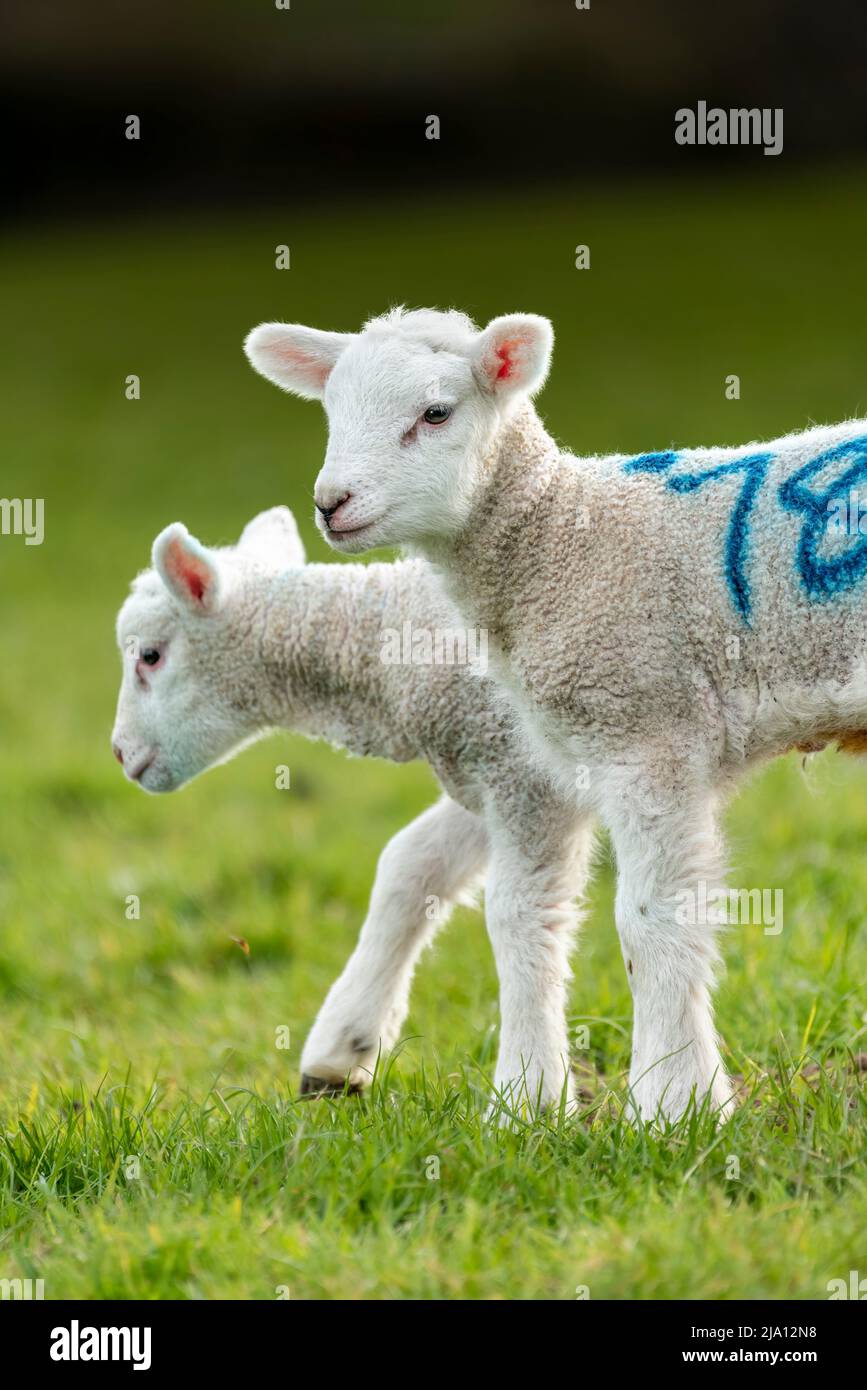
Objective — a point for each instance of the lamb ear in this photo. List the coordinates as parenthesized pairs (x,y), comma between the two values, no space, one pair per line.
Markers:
(273,538)
(513,354)
(296,358)
(187,569)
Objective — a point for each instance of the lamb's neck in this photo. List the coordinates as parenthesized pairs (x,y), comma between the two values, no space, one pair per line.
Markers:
(517,491)
(318,648)
(519,466)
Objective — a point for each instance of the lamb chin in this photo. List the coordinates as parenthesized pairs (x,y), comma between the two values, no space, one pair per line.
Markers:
(156,780)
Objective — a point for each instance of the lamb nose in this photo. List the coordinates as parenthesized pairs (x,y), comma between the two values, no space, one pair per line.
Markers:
(117,753)
(327,512)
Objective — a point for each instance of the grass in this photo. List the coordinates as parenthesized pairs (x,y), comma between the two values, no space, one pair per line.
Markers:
(150,1142)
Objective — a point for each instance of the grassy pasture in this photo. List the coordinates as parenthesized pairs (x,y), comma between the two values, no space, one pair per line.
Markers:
(150,1142)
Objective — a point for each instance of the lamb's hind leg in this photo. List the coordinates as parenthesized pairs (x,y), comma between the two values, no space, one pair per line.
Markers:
(669,861)
(421,873)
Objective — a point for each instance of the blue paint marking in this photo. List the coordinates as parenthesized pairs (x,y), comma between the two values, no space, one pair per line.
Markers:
(825,578)
(755,468)
(650,463)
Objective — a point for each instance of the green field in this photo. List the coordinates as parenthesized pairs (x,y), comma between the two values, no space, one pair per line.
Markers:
(150,1142)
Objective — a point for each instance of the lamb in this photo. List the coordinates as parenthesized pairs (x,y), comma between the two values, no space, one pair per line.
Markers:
(220,646)
(664,622)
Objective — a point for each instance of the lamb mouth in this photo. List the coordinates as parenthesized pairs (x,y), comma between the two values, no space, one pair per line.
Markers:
(313,1087)
(350,530)
(157,779)
(136,774)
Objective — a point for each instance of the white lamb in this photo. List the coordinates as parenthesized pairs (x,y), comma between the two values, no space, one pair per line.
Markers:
(663,621)
(221,646)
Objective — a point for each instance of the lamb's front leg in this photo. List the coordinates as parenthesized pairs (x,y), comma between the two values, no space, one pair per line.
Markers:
(421,873)
(669,866)
(531,916)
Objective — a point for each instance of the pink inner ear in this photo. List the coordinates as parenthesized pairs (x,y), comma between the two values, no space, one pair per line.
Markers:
(195,583)
(506,353)
(317,371)
(189,572)
(319,374)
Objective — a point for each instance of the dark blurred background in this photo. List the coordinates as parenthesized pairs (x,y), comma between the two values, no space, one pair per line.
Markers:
(245,104)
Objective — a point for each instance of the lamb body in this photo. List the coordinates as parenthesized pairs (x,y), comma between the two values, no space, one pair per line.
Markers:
(248,639)
(662,621)
(648,644)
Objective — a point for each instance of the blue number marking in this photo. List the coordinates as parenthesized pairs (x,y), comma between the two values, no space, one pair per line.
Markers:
(824,578)
(755,467)
(650,463)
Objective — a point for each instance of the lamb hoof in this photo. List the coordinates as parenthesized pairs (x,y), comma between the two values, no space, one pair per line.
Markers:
(318,1086)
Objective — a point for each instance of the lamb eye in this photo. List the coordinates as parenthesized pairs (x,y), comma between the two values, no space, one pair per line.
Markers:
(150,656)
(437,414)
